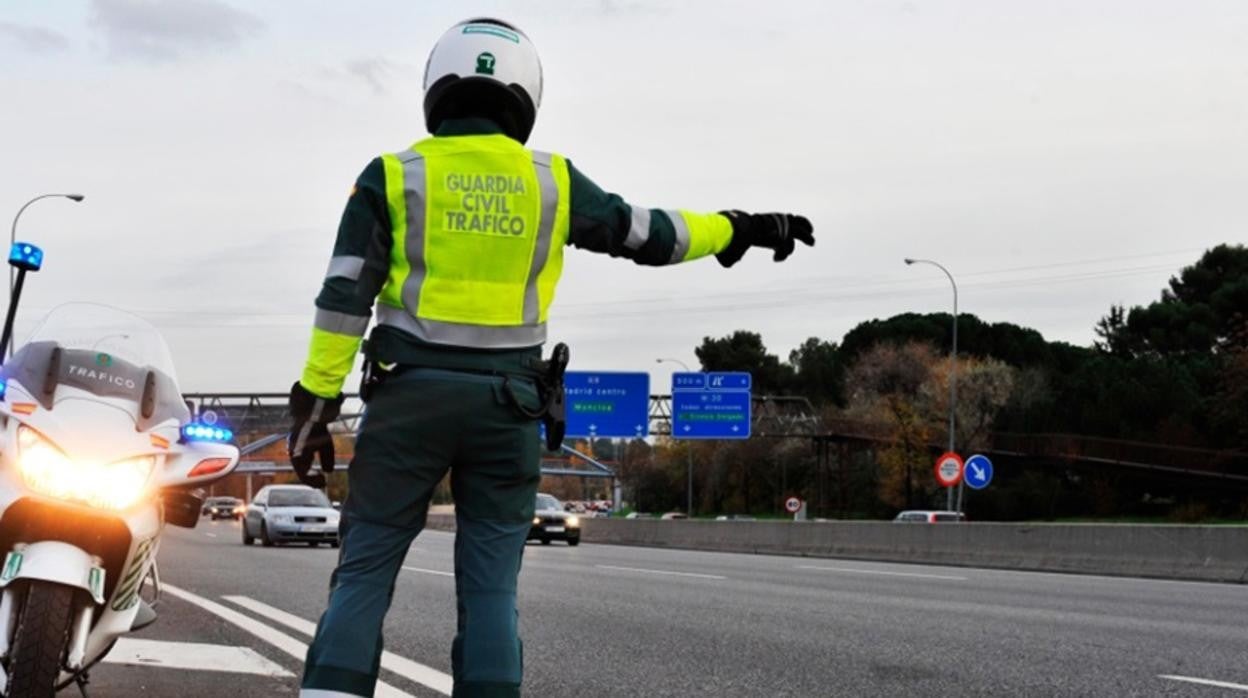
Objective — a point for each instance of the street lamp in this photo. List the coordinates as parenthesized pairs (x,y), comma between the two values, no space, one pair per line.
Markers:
(689,487)
(13,230)
(953,370)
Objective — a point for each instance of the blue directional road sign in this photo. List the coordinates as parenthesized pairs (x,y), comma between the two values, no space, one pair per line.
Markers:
(978,472)
(711,405)
(607,404)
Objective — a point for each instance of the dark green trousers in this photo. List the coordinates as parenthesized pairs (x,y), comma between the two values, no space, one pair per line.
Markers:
(419,425)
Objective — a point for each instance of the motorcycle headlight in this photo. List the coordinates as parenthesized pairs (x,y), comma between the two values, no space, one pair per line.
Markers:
(48,471)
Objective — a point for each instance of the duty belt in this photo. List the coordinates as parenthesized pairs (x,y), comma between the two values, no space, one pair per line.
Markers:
(546,375)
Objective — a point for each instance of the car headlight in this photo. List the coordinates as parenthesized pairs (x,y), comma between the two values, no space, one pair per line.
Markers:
(537,521)
(573,522)
(48,471)
(282,518)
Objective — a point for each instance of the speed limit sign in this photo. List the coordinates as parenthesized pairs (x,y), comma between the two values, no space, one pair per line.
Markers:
(949,469)
(793,505)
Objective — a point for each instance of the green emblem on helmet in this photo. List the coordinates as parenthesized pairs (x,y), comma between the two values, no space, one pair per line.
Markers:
(103,360)
(485,63)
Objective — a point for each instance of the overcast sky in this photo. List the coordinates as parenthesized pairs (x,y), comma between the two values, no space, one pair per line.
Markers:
(1057,157)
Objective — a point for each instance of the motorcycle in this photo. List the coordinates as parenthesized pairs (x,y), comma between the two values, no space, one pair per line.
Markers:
(98,451)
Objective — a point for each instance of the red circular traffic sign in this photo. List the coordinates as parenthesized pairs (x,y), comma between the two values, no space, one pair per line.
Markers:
(949,469)
(793,505)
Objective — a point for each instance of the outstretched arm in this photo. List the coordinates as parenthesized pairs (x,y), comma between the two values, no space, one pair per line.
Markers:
(604,222)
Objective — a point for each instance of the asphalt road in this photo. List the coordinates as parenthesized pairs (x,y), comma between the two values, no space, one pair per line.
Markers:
(619,621)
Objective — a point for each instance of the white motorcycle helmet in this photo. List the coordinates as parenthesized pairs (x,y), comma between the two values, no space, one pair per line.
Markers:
(484,67)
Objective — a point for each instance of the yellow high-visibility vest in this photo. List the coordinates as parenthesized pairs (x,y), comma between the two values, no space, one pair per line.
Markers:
(479,224)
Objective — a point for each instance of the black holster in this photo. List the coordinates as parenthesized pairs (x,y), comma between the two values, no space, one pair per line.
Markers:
(550,391)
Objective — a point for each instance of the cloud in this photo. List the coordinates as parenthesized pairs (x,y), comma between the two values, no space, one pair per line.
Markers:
(33,39)
(164,30)
(373,71)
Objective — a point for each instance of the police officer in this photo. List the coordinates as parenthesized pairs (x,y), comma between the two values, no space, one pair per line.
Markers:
(455,246)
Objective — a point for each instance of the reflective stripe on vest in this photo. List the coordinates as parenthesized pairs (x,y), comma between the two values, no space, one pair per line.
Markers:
(479,226)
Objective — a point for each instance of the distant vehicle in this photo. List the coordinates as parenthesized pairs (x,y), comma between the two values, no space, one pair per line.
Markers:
(924,516)
(551,522)
(290,514)
(638,515)
(734,517)
(223,507)
(674,515)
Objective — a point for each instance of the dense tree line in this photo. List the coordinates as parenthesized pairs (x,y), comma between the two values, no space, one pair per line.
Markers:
(1174,372)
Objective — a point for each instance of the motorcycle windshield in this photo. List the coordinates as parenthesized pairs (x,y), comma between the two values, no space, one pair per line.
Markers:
(104,351)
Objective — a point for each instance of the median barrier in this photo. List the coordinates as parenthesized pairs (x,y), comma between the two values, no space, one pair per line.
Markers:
(1200,553)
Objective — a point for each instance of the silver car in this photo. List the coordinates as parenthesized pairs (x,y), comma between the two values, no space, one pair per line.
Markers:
(290,513)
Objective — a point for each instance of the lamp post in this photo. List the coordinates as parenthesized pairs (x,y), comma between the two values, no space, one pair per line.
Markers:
(953,371)
(689,486)
(13,233)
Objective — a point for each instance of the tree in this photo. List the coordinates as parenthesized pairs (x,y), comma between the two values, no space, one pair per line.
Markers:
(1196,312)
(744,351)
(885,385)
(1114,336)
(820,375)
(985,387)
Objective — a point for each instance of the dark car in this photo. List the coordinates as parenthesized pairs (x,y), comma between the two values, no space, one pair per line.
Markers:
(551,522)
(223,507)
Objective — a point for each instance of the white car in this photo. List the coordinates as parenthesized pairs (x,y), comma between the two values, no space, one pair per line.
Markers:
(290,514)
(929,516)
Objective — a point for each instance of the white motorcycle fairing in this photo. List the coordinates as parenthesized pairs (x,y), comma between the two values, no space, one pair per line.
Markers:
(96,393)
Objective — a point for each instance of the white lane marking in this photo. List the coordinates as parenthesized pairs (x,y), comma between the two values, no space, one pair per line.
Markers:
(211,535)
(1205,682)
(853,570)
(421,569)
(408,669)
(280,640)
(666,572)
(195,656)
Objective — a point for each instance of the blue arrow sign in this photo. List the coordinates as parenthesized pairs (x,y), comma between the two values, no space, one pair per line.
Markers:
(605,404)
(978,472)
(711,405)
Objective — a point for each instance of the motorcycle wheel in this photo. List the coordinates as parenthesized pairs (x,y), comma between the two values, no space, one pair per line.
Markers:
(39,640)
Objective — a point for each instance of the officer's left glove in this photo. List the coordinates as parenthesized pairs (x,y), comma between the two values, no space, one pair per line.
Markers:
(309,435)
(775,231)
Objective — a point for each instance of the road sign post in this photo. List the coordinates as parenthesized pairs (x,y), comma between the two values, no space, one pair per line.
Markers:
(797,507)
(978,472)
(606,404)
(711,405)
(949,469)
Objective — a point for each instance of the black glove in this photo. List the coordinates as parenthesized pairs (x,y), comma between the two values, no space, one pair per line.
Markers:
(309,435)
(775,231)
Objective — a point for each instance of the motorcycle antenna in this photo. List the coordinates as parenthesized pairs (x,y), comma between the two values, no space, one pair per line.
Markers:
(24,257)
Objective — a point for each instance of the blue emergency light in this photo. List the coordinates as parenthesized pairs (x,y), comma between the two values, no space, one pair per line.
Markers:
(24,255)
(205,432)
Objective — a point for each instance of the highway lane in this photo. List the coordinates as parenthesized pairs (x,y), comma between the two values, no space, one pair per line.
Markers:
(621,621)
